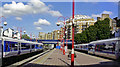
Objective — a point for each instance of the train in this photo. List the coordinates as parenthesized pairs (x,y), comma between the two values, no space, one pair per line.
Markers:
(81,47)
(109,48)
(14,47)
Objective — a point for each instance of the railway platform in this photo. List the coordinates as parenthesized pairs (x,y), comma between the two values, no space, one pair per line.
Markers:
(55,58)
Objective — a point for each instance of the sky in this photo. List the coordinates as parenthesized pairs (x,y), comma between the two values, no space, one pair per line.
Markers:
(36,16)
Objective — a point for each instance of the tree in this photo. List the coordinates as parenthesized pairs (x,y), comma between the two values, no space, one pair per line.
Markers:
(84,37)
(78,38)
(103,29)
(25,36)
(100,30)
(91,33)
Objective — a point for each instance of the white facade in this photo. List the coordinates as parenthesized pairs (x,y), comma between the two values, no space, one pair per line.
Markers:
(1,31)
(80,22)
(8,32)
(17,35)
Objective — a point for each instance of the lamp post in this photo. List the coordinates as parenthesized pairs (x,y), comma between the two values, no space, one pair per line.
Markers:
(21,33)
(63,35)
(58,24)
(36,38)
(33,36)
(21,29)
(30,36)
(60,38)
(24,31)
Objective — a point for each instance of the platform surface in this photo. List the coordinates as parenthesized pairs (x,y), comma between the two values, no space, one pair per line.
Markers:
(55,58)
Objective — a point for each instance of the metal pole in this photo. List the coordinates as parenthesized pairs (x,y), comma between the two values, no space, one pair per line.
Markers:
(72,53)
(61,41)
(63,44)
(66,46)
(63,32)
(31,36)
(21,33)
(64,38)
(20,28)
(36,38)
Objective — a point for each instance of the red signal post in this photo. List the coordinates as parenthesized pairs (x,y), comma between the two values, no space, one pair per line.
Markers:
(72,53)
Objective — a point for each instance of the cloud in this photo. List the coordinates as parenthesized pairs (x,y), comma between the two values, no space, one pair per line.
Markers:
(18,18)
(32,7)
(42,22)
(97,0)
(0,11)
(65,0)
(95,15)
(107,12)
(55,13)
(104,12)
(38,28)
(14,27)
(81,0)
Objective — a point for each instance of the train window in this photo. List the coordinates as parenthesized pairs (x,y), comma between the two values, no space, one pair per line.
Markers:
(6,46)
(90,47)
(100,47)
(10,45)
(25,46)
(77,46)
(13,46)
(33,46)
(40,46)
(107,48)
(37,46)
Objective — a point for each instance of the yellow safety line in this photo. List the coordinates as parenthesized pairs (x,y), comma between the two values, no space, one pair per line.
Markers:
(40,60)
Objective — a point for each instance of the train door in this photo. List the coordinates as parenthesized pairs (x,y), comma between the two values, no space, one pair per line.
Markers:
(30,48)
(55,45)
(1,53)
(6,47)
(19,48)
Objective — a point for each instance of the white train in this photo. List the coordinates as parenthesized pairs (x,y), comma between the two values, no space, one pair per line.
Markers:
(108,48)
(81,47)
(12,47)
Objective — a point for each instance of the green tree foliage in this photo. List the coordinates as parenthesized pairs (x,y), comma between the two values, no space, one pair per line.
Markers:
(25,36)
(100,30)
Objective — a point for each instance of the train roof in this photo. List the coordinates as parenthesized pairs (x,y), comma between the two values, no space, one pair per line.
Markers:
(105,40)
(81,44)
(18,40)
